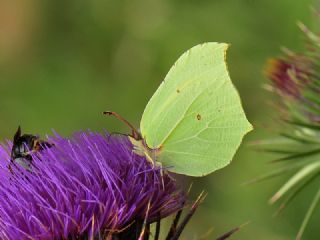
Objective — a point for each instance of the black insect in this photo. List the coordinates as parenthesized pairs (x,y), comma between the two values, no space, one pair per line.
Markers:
(23,146)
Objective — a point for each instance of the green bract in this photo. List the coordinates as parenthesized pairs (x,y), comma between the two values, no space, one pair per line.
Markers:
(194,122)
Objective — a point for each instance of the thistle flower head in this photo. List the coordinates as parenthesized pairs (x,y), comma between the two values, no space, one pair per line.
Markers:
(288,75)
(296,78)
(90,186)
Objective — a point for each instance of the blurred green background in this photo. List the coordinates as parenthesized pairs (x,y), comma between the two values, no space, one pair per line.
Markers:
(63,62)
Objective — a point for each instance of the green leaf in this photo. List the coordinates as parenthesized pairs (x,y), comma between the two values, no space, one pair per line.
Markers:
(309,214)
(308,170)
(272,142)
(295,193)
(195,120)
(306,125)
(299,155)
(275,173)
(301,139)
(279,151)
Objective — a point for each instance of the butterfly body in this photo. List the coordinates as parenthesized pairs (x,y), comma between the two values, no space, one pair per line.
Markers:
(140,148)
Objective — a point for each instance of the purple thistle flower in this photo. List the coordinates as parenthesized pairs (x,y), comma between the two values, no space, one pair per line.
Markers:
(284,75)
(295,79)
(90,186)
(291,74)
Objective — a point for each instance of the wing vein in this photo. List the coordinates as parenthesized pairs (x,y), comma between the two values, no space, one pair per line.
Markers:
(188,108)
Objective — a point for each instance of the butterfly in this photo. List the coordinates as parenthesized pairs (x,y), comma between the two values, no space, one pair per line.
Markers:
(194,122)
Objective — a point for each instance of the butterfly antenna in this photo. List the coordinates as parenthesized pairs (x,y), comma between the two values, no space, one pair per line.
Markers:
(135,134)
